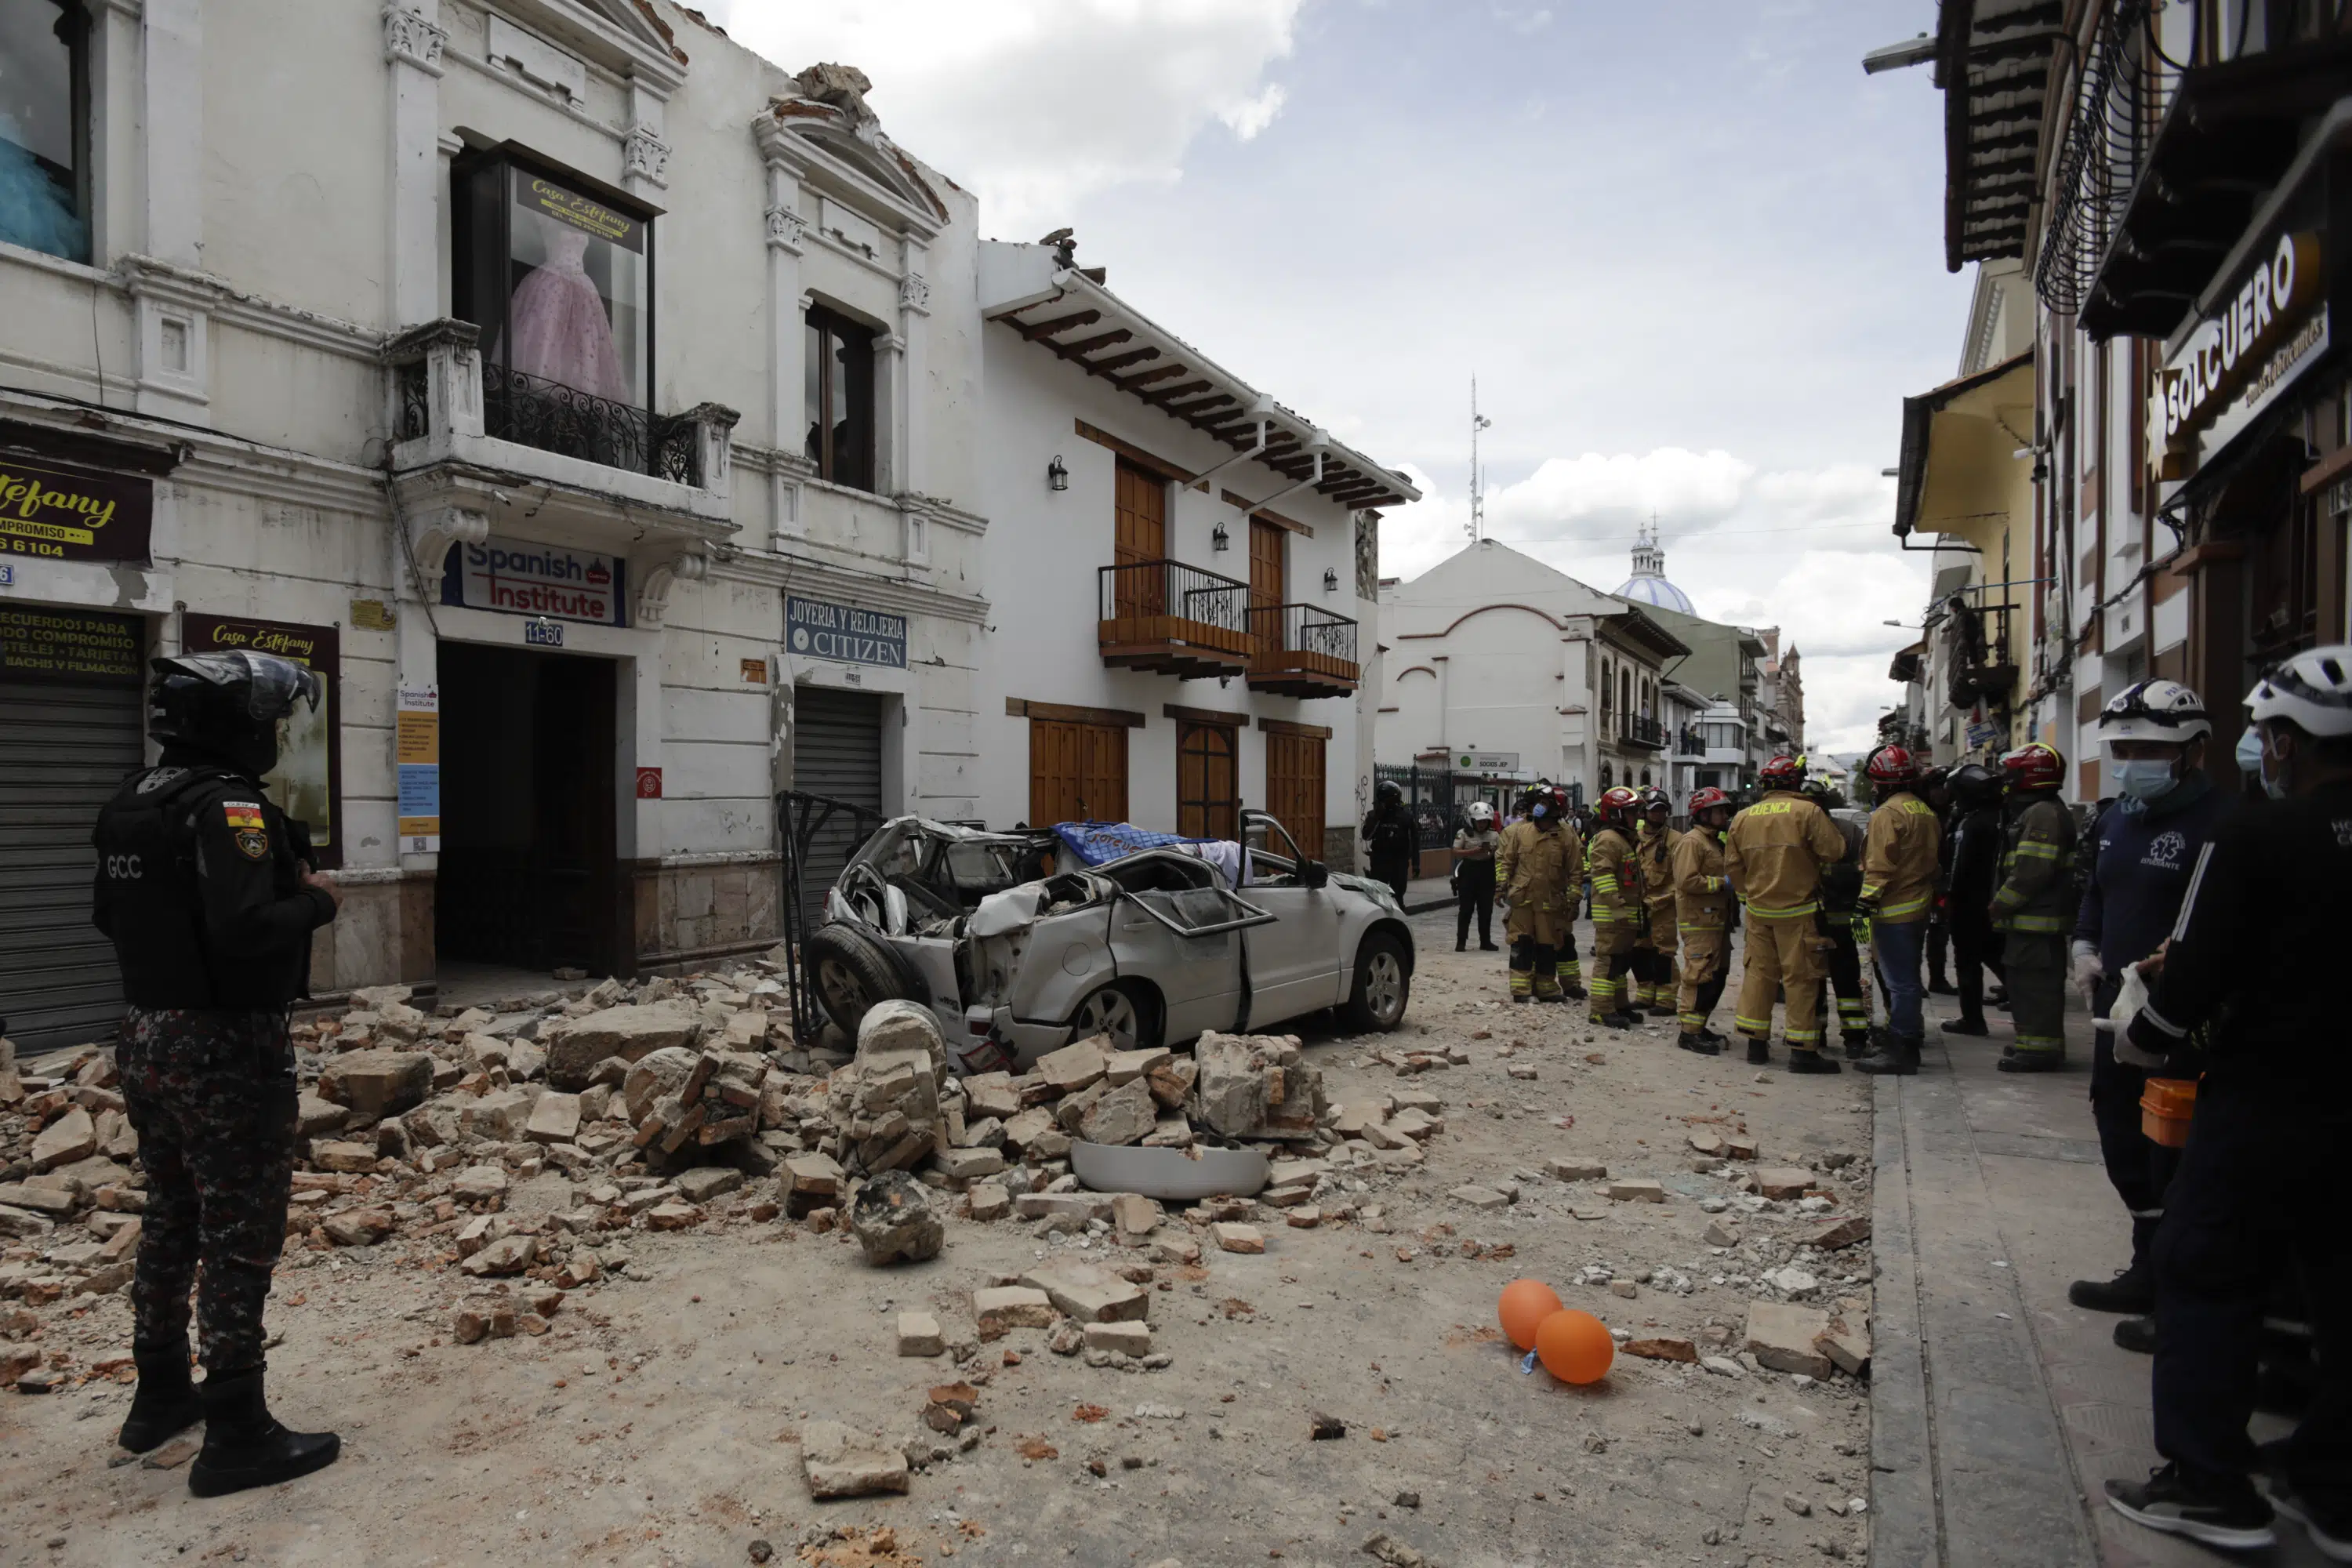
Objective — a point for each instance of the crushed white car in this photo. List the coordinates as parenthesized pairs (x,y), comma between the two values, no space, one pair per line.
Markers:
(1019,949)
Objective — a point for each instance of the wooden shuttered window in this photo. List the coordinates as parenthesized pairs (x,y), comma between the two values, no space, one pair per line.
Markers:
(1294,788)
(1077,773)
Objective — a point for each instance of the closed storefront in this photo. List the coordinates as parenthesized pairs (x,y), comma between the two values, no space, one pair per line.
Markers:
(70,684)
(836,754)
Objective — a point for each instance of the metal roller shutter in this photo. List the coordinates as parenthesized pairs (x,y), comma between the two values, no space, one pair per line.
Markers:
(837,752)
(69,745)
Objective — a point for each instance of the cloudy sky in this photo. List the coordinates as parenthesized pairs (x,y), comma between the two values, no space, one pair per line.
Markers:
(1691,254)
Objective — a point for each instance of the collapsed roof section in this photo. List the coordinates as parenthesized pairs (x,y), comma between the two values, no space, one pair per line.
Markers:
(1037,292)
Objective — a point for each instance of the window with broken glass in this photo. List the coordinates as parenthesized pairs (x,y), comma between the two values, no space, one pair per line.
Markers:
(44,184)
(839,391)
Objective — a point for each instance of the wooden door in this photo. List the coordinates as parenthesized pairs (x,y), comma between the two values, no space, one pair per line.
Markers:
(1077,773)
(1294,788)
(1142,503)
(1208,783)
(1270,580)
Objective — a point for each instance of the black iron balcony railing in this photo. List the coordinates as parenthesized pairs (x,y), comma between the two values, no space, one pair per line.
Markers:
(1303,650)
(1689,744)
(1640,730)
(534,412)
(1176,619)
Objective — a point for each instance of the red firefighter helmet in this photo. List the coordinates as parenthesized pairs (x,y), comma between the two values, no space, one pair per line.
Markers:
(2034,765)
(1706,799)
(1783,772)
(1616,805)
(1892,765)
(1560,803)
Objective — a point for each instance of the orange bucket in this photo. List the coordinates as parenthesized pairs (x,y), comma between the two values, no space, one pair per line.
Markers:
(2165,1109)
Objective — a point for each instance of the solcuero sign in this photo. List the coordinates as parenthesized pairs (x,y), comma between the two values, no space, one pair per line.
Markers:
(59,513)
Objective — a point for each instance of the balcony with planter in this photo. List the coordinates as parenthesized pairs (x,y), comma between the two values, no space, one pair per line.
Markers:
(1303,650)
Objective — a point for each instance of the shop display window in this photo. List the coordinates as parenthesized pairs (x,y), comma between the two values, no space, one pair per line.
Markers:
(45,197)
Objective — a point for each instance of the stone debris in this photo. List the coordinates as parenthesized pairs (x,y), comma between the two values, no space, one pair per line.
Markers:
(1780,1182)
(919,1335)
(1783,1337)
(1576,1171)
(893,1219)
(1638,1192)
(1000,1308)
(1662,1349)
(840,1462)
(1232,1236)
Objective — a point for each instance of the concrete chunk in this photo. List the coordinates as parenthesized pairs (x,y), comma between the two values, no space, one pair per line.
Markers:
(73,1136)
(1639,1192)
(1122,1115)
(554,1119)
(1576,1170)
(1782,1182)
(377,1083)
(838,1462)
(1000,1307)
(1088,1293)
(632,1032)
(1232,1236)
(919,1335)
(1126,1338)
(1780,1336)
(1073,1066)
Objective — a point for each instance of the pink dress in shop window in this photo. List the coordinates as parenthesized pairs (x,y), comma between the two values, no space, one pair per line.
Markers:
(561,330)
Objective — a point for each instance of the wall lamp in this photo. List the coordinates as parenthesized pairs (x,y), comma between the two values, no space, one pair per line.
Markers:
(1330,580)
(1219,538)
(1057,476)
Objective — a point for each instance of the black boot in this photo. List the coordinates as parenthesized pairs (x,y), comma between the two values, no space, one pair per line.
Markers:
(1699,1043)
(1620,1019)
(1899,1057)
(2136,1335)
(1803,1062)
(1759,1051)
(166,1402)
(1857,1045)
(2133,1292)
(1965,1026)
(245,1446)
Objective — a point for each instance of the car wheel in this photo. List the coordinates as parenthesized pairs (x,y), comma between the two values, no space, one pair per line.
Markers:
(1125,1015)
(851,975)
(1383,985)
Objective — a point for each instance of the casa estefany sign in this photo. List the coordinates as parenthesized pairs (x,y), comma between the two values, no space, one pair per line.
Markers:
(2246,351)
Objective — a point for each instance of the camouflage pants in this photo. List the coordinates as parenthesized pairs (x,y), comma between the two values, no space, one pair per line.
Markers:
(212,1095)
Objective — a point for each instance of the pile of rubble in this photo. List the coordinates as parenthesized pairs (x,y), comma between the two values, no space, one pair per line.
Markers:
(656,1101)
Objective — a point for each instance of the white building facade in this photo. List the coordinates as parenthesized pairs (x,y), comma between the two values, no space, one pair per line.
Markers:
(604,411)
(1493,651)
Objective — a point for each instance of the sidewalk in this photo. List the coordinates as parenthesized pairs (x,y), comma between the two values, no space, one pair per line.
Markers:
(1997,1409)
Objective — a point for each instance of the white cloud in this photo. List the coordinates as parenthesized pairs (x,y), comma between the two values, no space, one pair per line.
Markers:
(1594,496)
(1037,104)
(1252,115)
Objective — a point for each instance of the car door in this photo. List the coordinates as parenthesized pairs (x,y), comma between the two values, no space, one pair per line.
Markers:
(1185,940)
(1294,960)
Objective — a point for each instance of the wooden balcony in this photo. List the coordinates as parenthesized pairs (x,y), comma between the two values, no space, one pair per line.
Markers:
(1172,619)
(1303,650)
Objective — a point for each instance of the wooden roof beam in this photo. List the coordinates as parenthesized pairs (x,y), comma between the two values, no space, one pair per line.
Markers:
(1033,330)
(1120,361)
(1086,346)
(1173,392)
(1144,378)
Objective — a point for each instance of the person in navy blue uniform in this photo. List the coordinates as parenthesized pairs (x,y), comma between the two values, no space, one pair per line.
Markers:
(2144,848)
(2255,964)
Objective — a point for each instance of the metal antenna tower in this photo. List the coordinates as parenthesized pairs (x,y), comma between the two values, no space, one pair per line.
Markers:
(1477,476)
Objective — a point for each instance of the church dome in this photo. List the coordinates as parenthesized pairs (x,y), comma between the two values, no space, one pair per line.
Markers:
(1648,584)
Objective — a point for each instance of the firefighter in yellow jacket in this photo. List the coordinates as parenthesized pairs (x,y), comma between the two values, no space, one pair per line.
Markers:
(1535,874)
(1703,915)
(1774,854)
(1618,920)
(1899,859)
(1654,848)
(2034,905)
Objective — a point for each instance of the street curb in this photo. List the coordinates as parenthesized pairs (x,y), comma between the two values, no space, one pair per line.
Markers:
(1904,1526)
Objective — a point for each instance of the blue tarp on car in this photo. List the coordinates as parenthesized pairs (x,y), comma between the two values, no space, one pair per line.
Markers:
(1097,843)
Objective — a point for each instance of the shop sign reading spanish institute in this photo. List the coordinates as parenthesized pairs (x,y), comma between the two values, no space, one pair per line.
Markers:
(61,513)
(2245,351)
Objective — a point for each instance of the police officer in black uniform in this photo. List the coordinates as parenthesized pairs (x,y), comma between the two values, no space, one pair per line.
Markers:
(2257,959)
(1392,837)
(205,888)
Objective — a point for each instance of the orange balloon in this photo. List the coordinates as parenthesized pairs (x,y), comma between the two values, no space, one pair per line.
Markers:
(1574,1346)
(1527,1303)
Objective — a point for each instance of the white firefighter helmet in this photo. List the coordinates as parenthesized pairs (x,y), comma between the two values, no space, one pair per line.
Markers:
(2312,691)
(2155,711)
(1481,813)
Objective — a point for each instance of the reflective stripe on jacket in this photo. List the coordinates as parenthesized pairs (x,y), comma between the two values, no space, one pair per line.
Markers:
(1616,880)
(1898,859)
(1775,851)
(2036,855)
(1702,897)
(1657,852)
(1534,867)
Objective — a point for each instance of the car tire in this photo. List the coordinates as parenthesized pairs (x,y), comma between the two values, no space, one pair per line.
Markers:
(1129,1015)
(1383,985)
(852,975)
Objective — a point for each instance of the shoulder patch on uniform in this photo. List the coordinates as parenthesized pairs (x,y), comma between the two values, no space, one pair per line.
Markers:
(246,829)
(158,778)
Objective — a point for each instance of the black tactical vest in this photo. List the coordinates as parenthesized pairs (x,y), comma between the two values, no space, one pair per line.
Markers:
(150,902)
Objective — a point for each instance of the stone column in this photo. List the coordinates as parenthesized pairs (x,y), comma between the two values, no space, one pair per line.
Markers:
(412,42)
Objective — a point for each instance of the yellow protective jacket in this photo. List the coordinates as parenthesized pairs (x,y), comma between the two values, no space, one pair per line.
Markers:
(1616,874)
(1535,868)
(1702,896)
(1656,851)
(1774,852)
(2036,855)
(1898,859)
